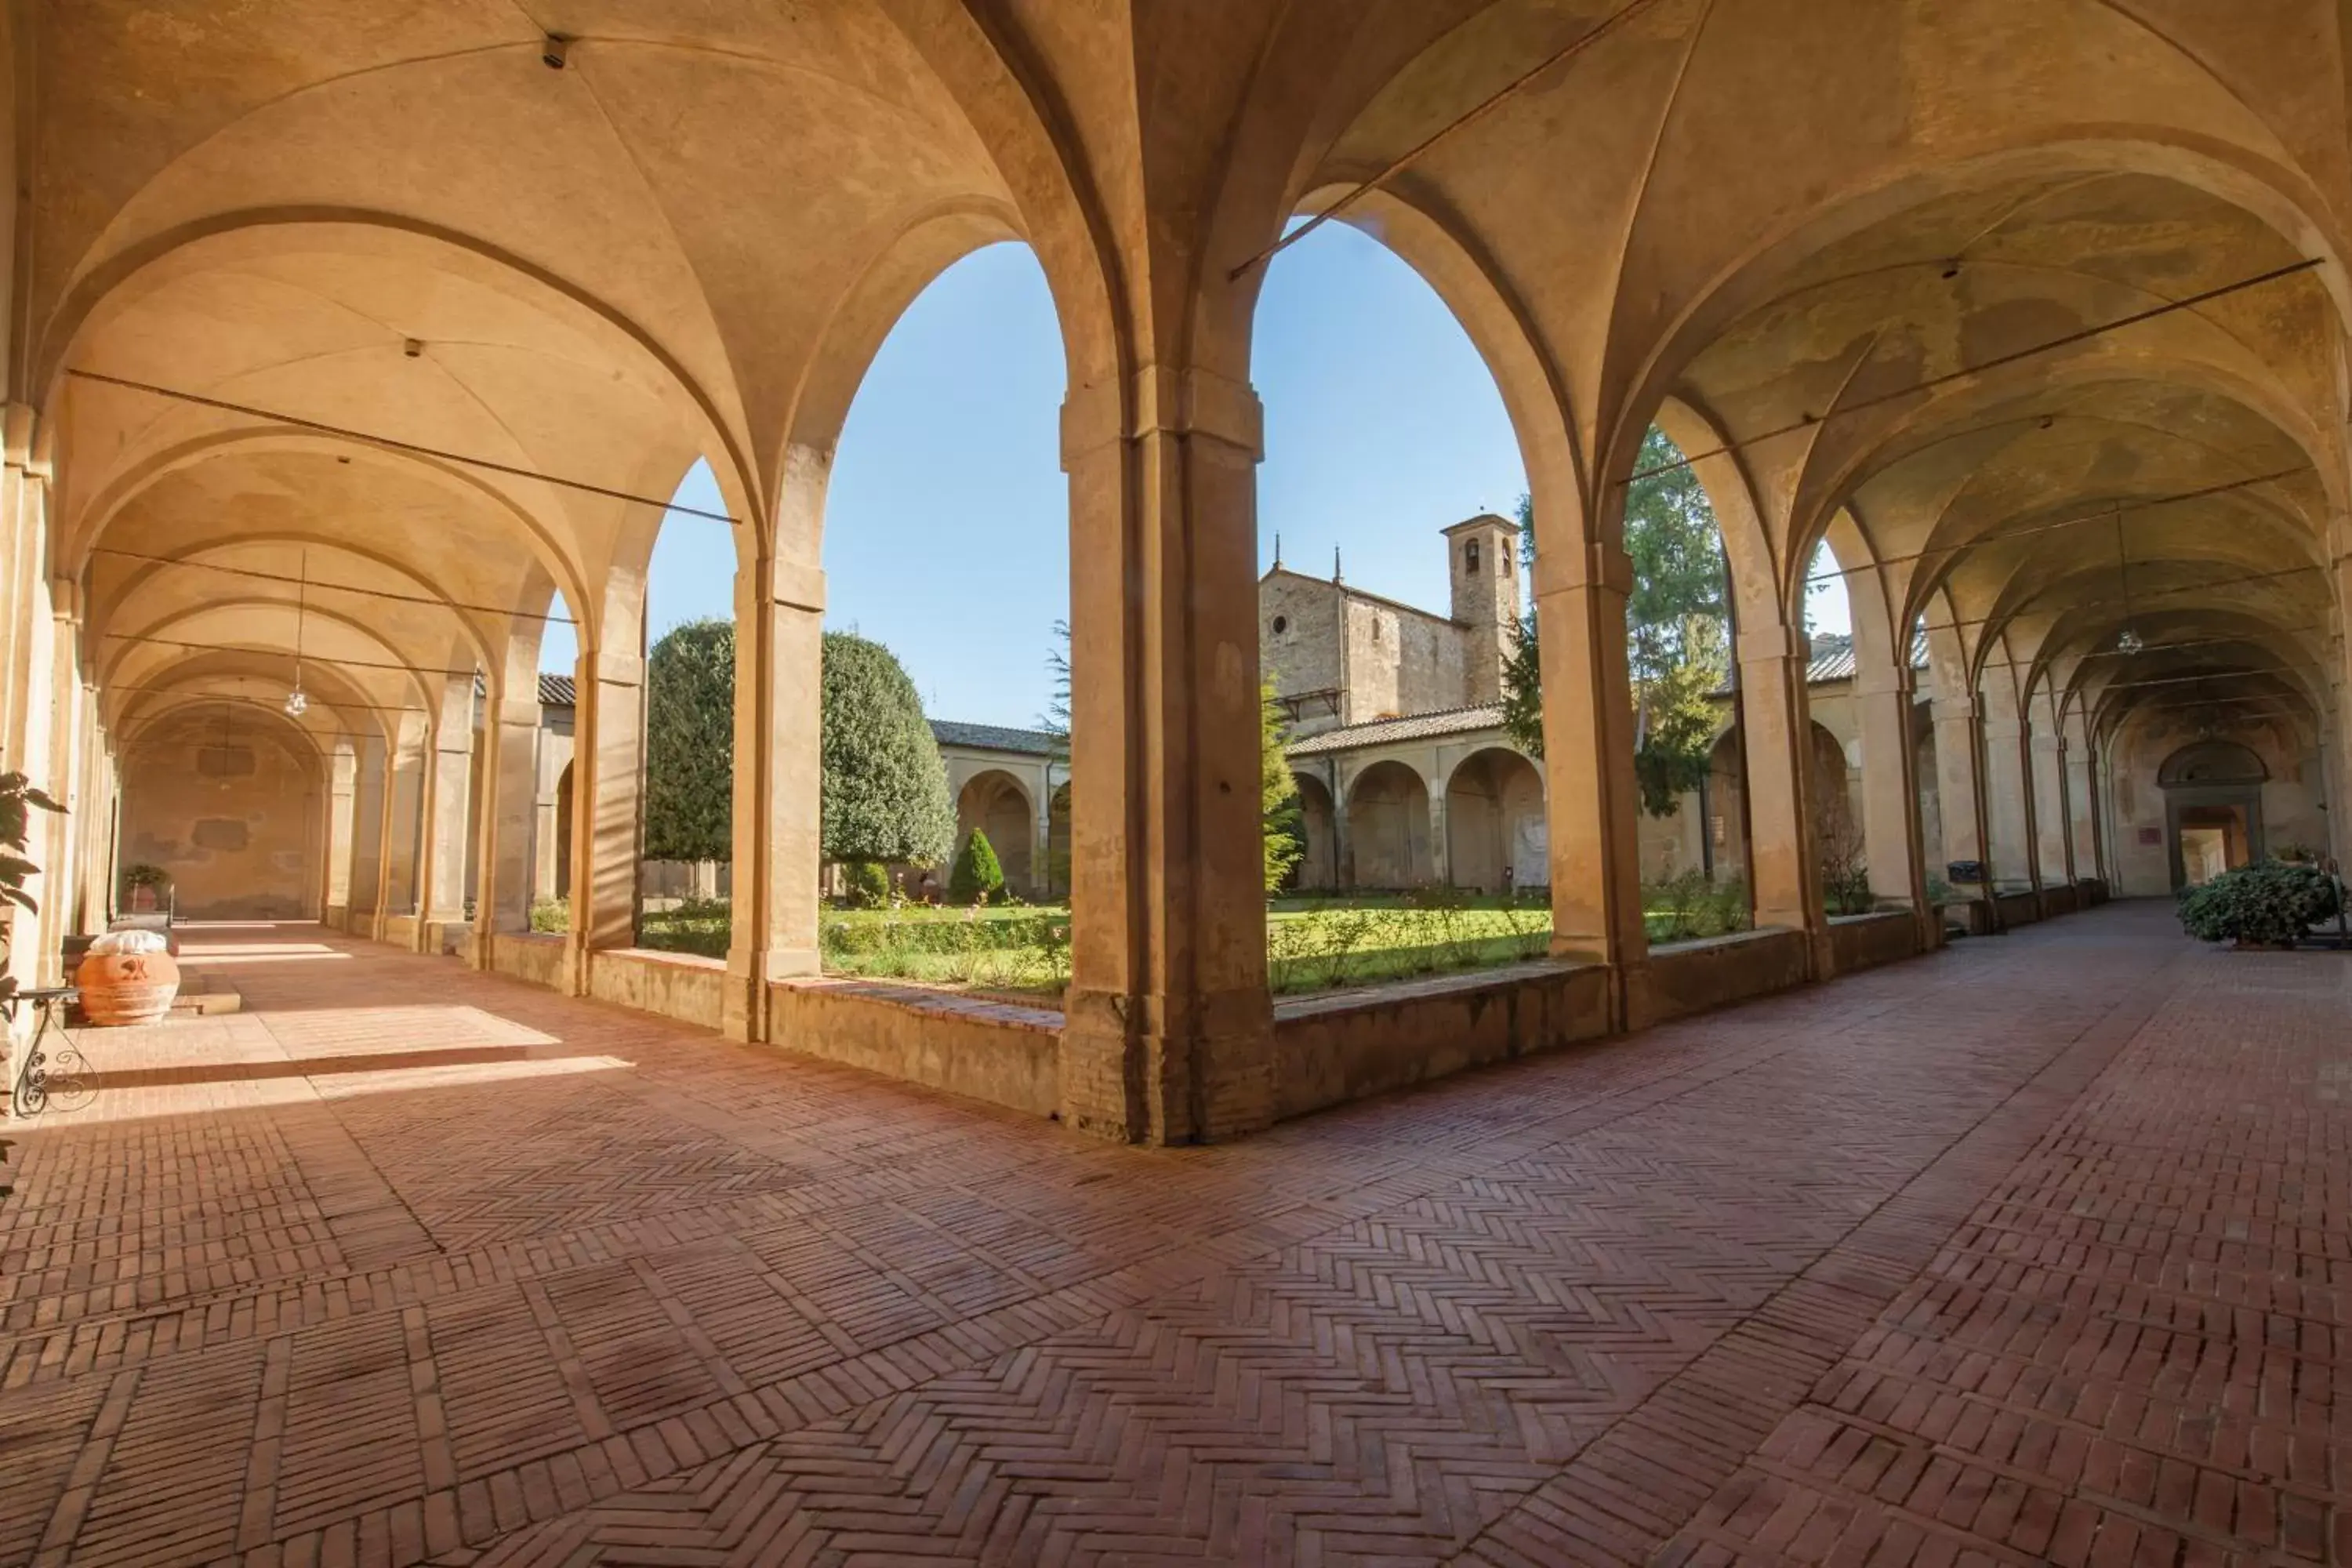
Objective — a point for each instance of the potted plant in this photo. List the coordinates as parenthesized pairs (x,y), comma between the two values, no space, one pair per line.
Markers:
(145,882)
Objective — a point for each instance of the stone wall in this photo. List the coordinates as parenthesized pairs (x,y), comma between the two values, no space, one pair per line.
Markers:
(232,812)
(1004,1054)
(1331,1049)
(1401,661)
(680,985)
(1304,655)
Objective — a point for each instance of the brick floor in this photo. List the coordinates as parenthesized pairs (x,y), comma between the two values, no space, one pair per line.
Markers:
(2040,1250)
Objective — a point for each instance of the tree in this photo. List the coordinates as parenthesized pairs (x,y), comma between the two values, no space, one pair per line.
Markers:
(977,877)
(1675,623)
(885,790)
(1279,809)
(691,743)
(1055,719)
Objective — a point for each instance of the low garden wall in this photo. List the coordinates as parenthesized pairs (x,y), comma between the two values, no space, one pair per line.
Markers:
(2019,909)
(529,955)
(400,931)
(1866,941)
(1005,1055)
(1333,1048)
(680,985)
(1696,976)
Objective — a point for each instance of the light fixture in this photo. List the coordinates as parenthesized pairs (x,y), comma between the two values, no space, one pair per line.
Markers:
(553,50)
(297,703)
(2127,641)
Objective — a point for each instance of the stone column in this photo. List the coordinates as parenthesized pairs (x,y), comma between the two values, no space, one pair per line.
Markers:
(2082,800)
(510,834)
(448,797)
(2053,843)
(1041,852)
(367,838)
(70,715)
(1169,1037)
(1592,807)
(607,795)
(1892,844)
(343,785)
(2009,804)
(1778,739)
(778,829)
(1959,768)
(404,822)
(1441,848)
(95,854)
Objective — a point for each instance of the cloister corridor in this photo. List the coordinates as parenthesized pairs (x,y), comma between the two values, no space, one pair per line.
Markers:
(2037,1250)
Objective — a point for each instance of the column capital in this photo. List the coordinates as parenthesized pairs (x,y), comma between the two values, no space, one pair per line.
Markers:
(794,585)
(1954,710)
(618,669)
(521,712)
(1765,644)
(1600,564)
(1168,399)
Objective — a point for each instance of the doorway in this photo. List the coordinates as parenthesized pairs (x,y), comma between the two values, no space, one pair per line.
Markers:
(2213,809)
(2213,839)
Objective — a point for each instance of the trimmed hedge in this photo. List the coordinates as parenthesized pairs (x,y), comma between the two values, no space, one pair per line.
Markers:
(2270,901)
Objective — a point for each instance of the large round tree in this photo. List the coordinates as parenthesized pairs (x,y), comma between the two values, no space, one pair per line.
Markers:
(886,790)
(691,743)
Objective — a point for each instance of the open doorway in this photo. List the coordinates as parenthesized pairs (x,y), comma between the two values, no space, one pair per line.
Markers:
(2212,840)
(2213,807)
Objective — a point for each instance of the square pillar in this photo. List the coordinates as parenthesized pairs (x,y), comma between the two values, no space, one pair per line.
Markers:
(778,823)
(1591,805)
(335,884)
(2009,803)
(1776,730)
(447,802)
(367,838)
(404,823)
(1892,845)
(2053,843)
(1168,1031)
(511,837)
(2082,800)
(607,808)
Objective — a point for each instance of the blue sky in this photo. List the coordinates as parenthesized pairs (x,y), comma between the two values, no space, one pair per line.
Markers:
(947,533)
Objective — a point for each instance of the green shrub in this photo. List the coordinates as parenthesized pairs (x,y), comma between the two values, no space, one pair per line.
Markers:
(868,882)
(977,878)
(2269,901)
(550,915)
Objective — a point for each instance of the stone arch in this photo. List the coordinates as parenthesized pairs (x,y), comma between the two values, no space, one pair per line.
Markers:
(1388,827)
(2203,763)
(1495,830)
(996,803)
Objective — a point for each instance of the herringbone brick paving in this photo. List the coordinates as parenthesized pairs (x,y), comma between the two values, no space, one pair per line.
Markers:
(2037,1250)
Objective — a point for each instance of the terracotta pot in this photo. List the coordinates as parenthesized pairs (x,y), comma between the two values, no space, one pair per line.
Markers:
(127,987)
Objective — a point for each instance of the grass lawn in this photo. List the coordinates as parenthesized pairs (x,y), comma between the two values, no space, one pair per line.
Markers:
(1312,944)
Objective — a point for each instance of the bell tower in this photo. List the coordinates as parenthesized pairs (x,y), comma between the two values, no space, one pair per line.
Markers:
(1483,565)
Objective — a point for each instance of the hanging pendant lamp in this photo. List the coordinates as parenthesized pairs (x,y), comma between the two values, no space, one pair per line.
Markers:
(297,702)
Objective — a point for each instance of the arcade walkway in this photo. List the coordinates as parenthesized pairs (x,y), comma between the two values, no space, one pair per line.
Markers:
(2037,1250)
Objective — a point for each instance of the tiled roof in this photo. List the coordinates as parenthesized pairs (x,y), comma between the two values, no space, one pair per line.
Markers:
(556,691)
(996,738)
(1833,660)
(1388,732)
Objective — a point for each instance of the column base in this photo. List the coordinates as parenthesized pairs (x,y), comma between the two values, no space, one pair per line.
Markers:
(1140,1085)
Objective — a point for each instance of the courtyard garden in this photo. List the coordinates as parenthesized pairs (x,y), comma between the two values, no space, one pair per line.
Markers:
(1313,943)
